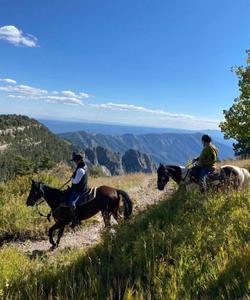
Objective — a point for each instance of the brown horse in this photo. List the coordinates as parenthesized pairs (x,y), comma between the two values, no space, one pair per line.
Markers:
(107,201)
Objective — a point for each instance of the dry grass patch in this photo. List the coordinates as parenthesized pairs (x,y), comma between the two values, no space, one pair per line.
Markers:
(124,182)
(242,163)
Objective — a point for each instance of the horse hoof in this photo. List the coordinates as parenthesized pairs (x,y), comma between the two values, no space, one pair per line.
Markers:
(53,247)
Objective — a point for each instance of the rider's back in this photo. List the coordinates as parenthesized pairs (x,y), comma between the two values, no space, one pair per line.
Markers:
(208,157)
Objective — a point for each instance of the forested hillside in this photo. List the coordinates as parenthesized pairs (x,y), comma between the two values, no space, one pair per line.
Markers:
(26,145)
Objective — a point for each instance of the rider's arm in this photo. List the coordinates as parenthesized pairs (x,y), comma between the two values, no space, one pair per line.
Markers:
(79,175)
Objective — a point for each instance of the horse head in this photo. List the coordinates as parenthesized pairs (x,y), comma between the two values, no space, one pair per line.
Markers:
(162,177)
(36,193)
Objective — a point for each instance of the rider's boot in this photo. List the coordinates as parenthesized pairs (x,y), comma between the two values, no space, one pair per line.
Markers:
(74,216)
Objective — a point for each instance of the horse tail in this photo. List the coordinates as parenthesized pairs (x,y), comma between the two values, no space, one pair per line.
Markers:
(128,204)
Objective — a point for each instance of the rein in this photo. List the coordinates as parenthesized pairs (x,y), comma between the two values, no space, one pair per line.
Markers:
(41,214)
(65,184)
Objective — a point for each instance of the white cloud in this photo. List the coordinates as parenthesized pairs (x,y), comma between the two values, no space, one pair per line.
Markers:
(143,115)
(63,100)
(85,95)
(21,91)
(69,94)
(16,36)
(16,96)
(73,94)
(8,80)
(161,115)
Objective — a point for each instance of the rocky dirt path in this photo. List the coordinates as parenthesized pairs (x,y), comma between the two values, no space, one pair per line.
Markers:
(143,195)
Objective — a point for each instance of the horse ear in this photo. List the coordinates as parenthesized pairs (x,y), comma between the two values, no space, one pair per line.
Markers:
(32,181)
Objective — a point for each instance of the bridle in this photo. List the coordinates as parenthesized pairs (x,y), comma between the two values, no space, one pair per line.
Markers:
(37,203)
(164,178)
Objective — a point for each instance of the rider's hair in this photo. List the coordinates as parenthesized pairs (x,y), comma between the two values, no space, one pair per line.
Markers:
(206,138)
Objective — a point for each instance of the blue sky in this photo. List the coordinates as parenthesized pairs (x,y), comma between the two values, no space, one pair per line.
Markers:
(154,63)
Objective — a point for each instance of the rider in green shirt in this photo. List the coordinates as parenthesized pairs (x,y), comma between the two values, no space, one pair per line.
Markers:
(206,160)
(209,156)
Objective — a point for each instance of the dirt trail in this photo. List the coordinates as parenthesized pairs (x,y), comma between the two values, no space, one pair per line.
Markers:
(143,195)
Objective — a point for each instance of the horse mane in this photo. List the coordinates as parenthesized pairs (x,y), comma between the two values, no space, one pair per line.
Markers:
(175,172)
(58,194)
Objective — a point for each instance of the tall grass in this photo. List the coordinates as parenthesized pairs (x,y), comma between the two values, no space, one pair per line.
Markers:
(189,247)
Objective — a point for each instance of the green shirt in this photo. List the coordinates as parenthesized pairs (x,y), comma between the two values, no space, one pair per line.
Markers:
(209,156)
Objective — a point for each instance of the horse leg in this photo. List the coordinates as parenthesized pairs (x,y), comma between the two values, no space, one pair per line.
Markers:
(106,218)
(116,214)
(59,235)
(50,234)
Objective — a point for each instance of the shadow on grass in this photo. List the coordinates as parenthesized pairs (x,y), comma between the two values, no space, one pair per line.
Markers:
(145,253)
(111,266)
(233,282)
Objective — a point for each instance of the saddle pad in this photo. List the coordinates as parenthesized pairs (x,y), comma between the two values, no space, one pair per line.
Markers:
(87,196)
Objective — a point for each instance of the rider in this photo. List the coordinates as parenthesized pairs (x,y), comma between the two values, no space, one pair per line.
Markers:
(206,161)
(79,182)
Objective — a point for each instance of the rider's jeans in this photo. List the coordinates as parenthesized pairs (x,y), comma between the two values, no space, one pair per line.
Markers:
(74,196)
(203,175)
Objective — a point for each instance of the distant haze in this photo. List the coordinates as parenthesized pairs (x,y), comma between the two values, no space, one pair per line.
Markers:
(58,126)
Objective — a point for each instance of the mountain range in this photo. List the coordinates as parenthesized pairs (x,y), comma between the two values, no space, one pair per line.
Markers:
(168,148)
(58,126)
(27,146)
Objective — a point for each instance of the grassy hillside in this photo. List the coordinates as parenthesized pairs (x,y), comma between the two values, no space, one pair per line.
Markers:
(190,246)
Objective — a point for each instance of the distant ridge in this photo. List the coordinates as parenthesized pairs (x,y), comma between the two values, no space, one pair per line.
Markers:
(173,148)
(58,127)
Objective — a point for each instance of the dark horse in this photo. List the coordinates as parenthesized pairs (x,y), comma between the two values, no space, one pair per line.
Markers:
(224,177)
(165,172)
(107,201)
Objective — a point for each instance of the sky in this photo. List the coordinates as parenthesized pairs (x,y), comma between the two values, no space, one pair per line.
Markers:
(151,63)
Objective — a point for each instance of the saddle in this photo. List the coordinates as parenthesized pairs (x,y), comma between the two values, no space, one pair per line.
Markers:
(214,177)
(87,196)
(84,198)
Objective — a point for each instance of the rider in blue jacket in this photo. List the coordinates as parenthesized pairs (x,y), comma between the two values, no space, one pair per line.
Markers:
(79,186)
